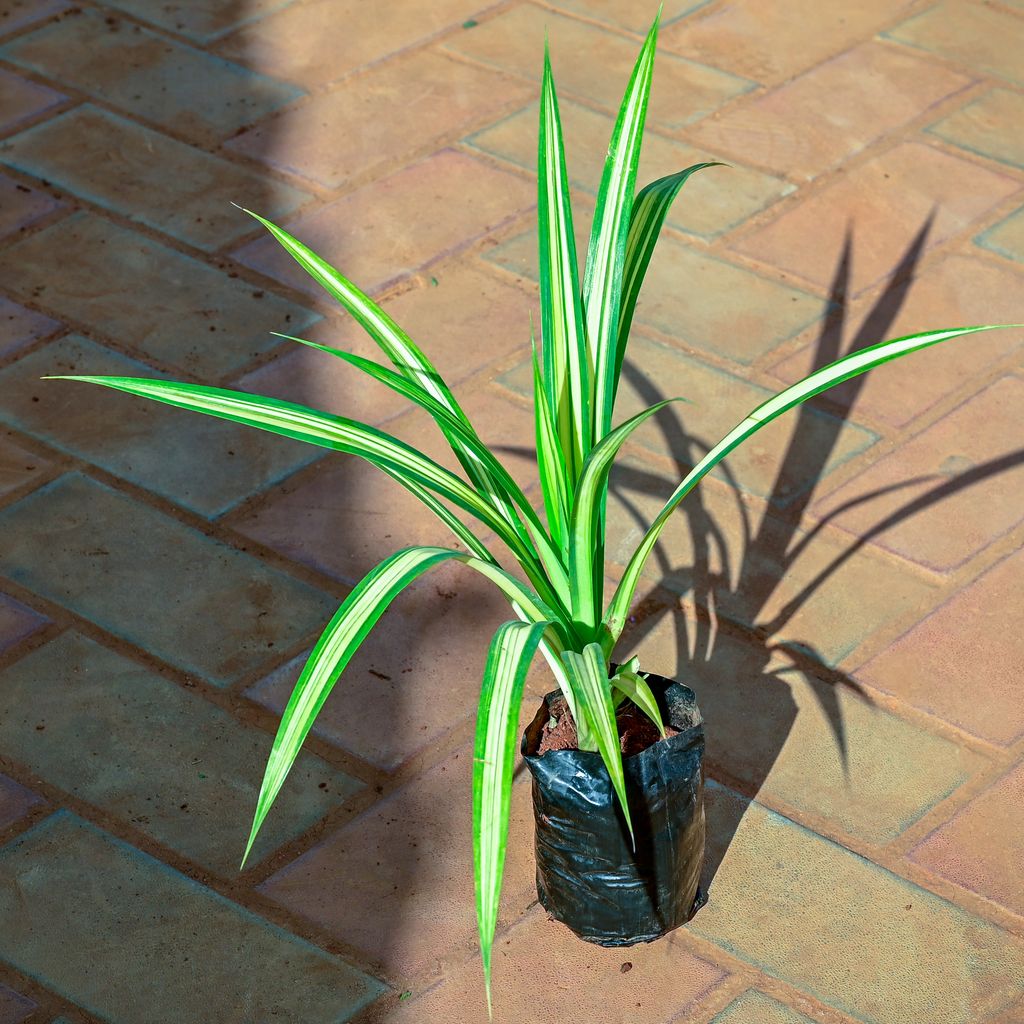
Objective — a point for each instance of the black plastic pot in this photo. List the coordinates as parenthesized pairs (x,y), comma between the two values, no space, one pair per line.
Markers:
(588,875)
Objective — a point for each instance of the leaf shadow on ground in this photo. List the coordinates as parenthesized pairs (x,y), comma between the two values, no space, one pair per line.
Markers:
(750,710)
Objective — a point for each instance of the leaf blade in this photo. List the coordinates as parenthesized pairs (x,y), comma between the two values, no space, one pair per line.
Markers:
(602,288)
(340,434)
(508,660)
(587,516)
(840,370)
(567,373)
(633,685)
(406,356)
(650,209)
(340,640)
(588,672)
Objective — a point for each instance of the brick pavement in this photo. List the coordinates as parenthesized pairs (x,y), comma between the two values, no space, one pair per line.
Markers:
(850,624)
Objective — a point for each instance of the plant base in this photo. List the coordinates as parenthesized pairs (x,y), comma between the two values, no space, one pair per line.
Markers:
(589,877)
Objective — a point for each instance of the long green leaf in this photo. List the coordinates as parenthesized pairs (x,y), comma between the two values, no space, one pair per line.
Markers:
(584,525)
(650,208)
(602,289)
(406,356)
(340,434)
(550,464)
(633,685)
(821,380)
(496,482)
(588,673)
(508,661)
(567,372)
(352,622)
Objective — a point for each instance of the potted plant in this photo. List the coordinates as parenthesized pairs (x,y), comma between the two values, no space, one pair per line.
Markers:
(616,754)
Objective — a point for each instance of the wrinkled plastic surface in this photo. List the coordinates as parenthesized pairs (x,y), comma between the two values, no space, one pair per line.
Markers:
(588,875)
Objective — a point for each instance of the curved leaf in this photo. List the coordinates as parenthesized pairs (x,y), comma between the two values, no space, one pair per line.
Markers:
(352,622)
(567,372)
(650,208)
(495,481)
(588,674)
(508,661)
(403,462)
(821,380)
(406,356)
(602,288)
(633,685)
(584,532)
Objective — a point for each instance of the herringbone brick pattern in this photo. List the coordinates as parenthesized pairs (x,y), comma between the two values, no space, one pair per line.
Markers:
(845,598)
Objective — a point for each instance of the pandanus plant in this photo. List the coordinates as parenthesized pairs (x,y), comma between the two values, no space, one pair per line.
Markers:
(558,604)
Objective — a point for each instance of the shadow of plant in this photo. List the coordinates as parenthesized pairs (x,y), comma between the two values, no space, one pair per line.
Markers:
(750,708)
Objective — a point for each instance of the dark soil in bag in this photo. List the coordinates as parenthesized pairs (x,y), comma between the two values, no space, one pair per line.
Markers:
(588,874)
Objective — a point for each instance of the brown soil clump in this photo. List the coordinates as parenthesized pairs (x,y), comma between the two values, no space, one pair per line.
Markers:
(636,731)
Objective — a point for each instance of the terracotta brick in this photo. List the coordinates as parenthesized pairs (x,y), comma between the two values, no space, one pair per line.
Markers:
(722,308)
(174,188)
(961,662)
(982,847)
(800,130)
(390,111)
(987,126)
(150,753)
(713,201)
(755,1007)
(772,42)
(1006,237)
(199,19)
(151,298)
(200,463)
(462,317)
(19,466)
(21,326)
(394,226)
(319,42)
(21,99)
(397,882)
(148,75)
(943,535)
(818,746)
(715,401)
(956,291)
(982,37)
(884,202)
(803,592)
(417,674)
(17,621)
(341,518)
(844,930)
(153,581)
(543,973)
(594,65)
(21,205)
(102,924)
